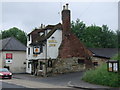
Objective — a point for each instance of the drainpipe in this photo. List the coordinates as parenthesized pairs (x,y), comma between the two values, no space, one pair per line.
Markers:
(45,66)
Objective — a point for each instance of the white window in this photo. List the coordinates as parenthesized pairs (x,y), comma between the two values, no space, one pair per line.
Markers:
(28,51)
(28,37)
(41,33)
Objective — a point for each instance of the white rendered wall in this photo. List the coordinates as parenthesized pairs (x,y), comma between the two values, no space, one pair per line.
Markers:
(18,61)
(51,52)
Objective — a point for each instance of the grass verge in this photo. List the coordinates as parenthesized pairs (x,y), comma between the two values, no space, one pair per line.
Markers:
(101,76)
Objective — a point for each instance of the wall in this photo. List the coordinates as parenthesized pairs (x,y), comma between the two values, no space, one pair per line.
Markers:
(68,65)
(1,62)
(100,61)
(52,51)
(18,62)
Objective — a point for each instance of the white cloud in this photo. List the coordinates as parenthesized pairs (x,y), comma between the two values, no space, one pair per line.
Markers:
(28,15)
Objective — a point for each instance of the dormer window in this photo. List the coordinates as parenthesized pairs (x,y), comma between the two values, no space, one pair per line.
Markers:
(41,33)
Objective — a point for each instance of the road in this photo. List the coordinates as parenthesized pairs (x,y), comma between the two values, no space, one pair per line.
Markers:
(23,85)
(61,80)
(7,85)
(25,81)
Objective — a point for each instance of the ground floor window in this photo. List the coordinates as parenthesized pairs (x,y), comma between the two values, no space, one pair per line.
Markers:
(95,63)
(29,64)
(41,65)
(7,67)
(49,63)
(81,61)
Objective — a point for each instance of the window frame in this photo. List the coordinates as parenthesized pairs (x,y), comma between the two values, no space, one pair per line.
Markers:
(28,51)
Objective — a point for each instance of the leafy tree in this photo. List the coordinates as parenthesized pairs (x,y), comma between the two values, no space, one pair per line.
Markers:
(78,27)
(15,32)
(109,37)
(118,37)
(94,36)
(0,35)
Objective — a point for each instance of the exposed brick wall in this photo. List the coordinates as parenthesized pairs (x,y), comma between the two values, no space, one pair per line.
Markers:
(66,22)
(72,47)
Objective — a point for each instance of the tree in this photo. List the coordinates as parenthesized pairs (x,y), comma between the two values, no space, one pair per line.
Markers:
(109,37)
(78,27)
(0,35)
(15,32)
(94,36)
(118,37)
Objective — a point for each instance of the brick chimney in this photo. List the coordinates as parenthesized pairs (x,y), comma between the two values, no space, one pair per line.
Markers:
(71,46)
(66,20)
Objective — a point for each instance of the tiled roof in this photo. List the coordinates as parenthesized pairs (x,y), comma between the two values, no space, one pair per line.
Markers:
(104,52)
(11,44)
(39,39)
(37,30)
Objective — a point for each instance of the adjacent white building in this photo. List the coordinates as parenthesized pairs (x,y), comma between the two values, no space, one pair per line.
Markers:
(13,55)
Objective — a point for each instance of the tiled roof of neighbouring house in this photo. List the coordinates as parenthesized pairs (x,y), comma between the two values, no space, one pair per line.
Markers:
(104,52)
(11,44)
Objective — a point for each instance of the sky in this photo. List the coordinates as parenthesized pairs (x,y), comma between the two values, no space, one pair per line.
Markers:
(28,15)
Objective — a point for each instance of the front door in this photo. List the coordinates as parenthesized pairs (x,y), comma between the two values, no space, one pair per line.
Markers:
(35,65)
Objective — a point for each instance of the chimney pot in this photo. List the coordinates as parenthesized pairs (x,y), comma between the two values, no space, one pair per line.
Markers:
(64,7)
(41,25)
(44,26)
(67,6)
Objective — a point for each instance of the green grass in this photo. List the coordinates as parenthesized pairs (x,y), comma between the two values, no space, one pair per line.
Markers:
(101,76)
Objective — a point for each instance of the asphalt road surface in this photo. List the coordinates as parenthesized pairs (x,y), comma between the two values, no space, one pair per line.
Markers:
(30,82)
(7,86)
(62,79)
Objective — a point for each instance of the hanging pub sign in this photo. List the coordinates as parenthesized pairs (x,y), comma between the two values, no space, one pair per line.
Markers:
(9,57)
(113,65)
(36,50)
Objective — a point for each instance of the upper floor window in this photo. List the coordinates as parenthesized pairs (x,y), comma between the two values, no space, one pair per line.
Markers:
(28,37)
(41,48)
(28,51)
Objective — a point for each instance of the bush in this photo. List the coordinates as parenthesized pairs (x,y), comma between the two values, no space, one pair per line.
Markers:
(101,76)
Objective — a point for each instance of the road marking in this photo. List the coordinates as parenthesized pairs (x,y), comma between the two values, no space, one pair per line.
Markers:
(69,84)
